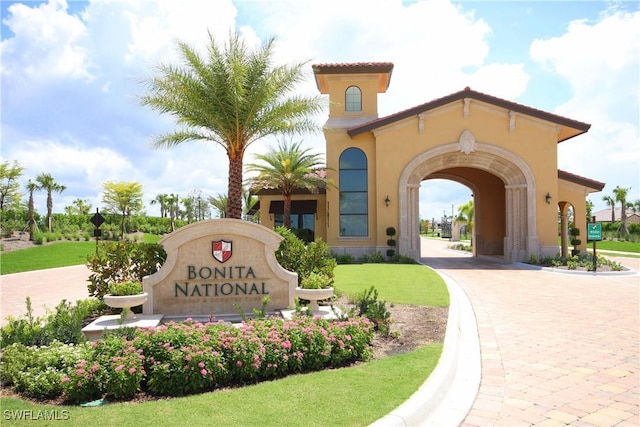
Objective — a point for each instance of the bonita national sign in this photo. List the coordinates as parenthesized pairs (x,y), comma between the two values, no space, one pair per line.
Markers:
(216,265)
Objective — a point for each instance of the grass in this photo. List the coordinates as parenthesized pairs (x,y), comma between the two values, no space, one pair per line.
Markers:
(402,284)
(611,245)
(362,393)
(58,254)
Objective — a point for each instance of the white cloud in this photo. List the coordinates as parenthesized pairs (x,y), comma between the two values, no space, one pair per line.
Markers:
(83,126)
(47,44)
(600,62)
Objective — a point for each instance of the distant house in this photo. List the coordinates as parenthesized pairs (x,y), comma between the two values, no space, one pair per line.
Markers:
(604,215)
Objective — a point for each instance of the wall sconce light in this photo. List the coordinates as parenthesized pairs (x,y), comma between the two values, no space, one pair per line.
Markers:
(547,198)
(387,201)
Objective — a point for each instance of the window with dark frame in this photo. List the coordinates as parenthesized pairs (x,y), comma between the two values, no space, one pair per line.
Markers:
(354,211)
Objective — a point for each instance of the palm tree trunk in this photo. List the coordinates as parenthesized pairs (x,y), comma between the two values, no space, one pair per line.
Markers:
(32,223)
(234,202)
(287,212)
(49,212)
(623,220)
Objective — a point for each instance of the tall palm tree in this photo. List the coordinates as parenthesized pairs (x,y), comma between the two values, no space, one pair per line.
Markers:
(232,97)
(288,168)
(610,201)
(46,182)
(620,195)
(31,187)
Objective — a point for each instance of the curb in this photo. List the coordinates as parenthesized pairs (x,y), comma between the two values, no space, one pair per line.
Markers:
(446,397)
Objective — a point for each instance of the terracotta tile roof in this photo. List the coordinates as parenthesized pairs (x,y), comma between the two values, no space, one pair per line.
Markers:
(352,67)
(581,180)
(468,93)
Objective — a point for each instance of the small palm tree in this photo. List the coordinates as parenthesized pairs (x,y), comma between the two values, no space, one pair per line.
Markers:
(46,182)
(31,187)
(220,203)
(248,202)
(232,97)
(620,195)
(288,168)
(465,214)
(161,199)
(610,201)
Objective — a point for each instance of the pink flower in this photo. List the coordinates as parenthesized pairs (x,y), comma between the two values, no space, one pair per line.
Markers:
(79,371)
(119,368)
(132,370)
(201,364)
(203,371)
(239,363)
(65,379)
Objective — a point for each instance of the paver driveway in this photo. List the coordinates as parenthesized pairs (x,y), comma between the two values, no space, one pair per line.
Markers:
(557,349)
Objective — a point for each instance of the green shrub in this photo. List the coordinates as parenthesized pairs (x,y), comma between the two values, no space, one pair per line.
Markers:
(128,287)
(294,255)
(38,371)
(373,258)
(343,259)
(121,261)
(402,259)
(316,281)
(575,261)
(181,358)
(64,325)
(374,310)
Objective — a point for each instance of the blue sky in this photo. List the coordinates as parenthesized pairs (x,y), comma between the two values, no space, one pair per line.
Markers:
(70,72)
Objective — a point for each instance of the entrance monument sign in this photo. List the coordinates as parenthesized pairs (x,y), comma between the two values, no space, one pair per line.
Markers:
(214,265)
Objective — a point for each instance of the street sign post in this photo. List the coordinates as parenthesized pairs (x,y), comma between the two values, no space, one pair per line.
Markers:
(97,220)
(594,234)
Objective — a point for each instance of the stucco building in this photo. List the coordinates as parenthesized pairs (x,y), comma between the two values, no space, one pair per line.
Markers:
(505,152)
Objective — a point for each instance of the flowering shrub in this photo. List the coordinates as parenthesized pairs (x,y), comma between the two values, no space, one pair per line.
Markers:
(182,358)
(38,371)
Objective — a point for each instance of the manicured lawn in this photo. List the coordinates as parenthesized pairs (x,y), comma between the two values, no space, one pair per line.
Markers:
(59,254)
(362,393)
(610,245)
(402,284)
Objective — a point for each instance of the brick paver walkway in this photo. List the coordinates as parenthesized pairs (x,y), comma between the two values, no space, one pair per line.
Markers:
(557,349)
(45,289)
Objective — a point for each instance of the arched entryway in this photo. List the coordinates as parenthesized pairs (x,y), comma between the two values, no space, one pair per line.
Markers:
(504,197)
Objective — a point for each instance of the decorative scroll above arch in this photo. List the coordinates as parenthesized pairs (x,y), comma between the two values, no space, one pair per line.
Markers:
(467,142)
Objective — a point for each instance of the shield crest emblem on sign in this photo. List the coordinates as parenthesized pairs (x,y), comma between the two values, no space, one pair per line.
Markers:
(221,250)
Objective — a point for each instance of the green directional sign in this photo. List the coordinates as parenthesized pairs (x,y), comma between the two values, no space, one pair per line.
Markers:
(594,231)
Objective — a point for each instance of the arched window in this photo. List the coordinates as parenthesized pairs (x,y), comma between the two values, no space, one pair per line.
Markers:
(354,212)
(353,99)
